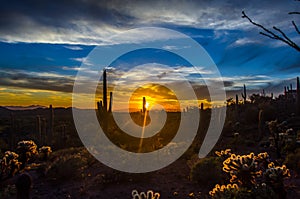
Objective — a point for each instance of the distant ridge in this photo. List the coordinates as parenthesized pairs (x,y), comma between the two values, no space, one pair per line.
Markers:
(31,107)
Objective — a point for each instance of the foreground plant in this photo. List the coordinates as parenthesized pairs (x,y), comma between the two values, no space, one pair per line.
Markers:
(26,150)
(149,195)
(224,191)
(9,164)
(254,176)
(44,152)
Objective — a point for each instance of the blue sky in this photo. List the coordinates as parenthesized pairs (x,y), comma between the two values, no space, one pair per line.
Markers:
(42,45)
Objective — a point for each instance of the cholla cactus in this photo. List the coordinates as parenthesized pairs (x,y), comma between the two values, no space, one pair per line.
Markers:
(45,152)
(26,150)
(149,195)
(10,164)
(276,174)
(224,191)
(224,153)
(242,169)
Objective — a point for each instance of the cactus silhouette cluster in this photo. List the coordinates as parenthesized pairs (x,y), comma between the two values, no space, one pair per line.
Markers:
(15,162)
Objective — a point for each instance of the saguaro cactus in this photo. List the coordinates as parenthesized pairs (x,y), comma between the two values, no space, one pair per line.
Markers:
(39,128)
(298,97)
(13,131)
(244,94)
(51,121)
(104,91)
(144,104)
(110,101)
(202,106)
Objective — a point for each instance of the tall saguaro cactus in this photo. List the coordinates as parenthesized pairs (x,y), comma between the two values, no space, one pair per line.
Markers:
(13,131)
(144,104)
(39,128)
(104,91)
(298,97)
(244,94)
(51,121)
(110,101)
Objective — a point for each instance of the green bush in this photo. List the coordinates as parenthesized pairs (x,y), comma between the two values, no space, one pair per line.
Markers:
(207,172)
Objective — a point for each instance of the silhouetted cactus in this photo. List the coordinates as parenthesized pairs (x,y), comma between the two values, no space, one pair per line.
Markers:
(110,101)
(244,94)
(298,97)
(26,150)
(39,128)
(144,104)
(202,106)
(51,123)
(104,92)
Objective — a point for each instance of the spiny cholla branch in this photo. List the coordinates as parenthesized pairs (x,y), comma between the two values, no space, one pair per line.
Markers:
(273,35)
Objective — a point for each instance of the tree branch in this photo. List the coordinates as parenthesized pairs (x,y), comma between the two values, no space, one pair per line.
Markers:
(296,27)
(268,33)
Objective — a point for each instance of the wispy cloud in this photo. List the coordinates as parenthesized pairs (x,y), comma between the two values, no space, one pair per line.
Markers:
(74,47)
(93,22)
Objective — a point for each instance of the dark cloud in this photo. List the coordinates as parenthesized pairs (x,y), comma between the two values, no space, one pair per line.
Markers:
(68,21)
(34,81)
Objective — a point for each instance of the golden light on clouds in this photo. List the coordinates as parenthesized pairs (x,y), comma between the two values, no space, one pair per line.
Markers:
(154,94)
(12,96)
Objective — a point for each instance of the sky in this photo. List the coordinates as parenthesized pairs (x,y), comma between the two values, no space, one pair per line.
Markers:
(43,45)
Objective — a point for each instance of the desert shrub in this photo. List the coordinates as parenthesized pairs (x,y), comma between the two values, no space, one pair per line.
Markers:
(67,167)
(292,161)
(26,150)
(44,152)
(207,171)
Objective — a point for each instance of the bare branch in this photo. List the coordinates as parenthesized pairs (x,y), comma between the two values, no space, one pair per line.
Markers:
(268,33)
(294,13)
(296,27)
(284,35)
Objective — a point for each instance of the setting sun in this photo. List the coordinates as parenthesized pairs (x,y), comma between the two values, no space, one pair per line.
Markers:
(147,105)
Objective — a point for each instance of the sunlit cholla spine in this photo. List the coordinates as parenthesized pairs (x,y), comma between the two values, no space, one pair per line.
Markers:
(149,195)
(10,164)
(224,153)
(276,174)
(224,191)
(242,169)
(262,159)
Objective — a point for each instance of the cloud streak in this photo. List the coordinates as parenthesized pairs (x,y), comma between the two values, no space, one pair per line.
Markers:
(92,22)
